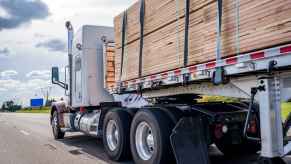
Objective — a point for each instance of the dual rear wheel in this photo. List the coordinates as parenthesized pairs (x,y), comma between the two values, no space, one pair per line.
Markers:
(116,130)
(146,137)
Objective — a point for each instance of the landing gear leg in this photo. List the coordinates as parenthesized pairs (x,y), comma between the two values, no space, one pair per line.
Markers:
(271,122)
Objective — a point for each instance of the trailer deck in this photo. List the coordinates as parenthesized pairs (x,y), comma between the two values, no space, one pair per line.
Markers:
(248,63)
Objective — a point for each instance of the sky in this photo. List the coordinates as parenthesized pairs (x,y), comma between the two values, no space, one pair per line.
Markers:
(33,39)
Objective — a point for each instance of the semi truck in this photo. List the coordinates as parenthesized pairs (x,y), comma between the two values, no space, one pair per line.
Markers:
(159,119)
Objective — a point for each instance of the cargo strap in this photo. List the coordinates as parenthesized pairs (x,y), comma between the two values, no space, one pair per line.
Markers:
(186,41)
(124,26)
(237,38)
(219,29)
(141,21)
(177,31)
(218,75)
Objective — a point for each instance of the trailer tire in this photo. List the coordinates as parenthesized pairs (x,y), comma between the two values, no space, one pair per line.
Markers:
(58,134)
(116,130)
(150,137)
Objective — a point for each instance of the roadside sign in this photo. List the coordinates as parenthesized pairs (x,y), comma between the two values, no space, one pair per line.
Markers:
(36,102)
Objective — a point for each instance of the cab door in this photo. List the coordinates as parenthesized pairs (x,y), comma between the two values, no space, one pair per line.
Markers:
(78,79)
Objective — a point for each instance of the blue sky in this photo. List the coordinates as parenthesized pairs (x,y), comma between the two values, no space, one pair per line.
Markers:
(33,39)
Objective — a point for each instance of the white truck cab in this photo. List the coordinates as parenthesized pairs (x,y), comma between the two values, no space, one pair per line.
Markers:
(87,66)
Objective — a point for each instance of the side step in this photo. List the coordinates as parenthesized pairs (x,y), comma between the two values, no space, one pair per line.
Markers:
(189,141)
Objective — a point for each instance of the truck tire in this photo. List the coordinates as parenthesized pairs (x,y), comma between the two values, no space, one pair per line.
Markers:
(150,137)
(116,129)
(58,134)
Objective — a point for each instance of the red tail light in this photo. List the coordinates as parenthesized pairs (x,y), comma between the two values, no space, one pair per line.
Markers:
(218,131)
(252,127)
(82,109)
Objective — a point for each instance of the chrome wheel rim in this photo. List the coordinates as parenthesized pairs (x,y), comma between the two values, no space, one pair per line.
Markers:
(54,124)
(144,141)
(112,135)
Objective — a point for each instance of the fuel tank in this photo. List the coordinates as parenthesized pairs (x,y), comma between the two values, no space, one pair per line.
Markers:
(87,122)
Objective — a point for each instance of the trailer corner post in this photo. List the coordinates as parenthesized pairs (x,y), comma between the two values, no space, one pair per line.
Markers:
(270,117)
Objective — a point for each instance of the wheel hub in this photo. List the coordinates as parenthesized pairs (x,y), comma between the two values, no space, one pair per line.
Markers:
(112,135)
(144,141)
(55,124)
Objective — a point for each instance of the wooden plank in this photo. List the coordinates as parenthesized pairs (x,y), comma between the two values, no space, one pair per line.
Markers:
(158,13)
(110,64)
(264,23)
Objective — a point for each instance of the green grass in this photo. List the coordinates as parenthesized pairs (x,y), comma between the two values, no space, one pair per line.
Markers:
(286,109)
(218,99)
(35,110)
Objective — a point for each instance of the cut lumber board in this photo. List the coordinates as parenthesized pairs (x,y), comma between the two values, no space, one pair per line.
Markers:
(158,14)
(263,24)
(110,66)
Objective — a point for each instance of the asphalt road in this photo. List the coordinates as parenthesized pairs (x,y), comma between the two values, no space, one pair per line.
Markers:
(27,139)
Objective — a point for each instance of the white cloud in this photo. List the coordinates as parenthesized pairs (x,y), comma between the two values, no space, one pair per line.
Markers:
(52,45)
(37,84)
(8,74)
(9,84)
(30,85)
(3,90)
(31,63)
(4,13)
(38,74)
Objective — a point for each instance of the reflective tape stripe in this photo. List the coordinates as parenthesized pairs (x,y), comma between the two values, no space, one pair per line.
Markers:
(211,65)
(272,52)
(231,61)
(257,55)
(192,69)
(285,49)
(177,72)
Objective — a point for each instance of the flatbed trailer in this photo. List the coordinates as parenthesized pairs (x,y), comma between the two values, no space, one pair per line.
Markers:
(250,64)
(266,71)
(173,127)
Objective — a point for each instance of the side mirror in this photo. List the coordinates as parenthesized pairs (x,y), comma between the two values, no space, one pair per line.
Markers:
(55,75)
(56,79)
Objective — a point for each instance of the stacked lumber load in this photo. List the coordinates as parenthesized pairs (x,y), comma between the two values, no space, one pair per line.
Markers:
(110,66)
(260,24)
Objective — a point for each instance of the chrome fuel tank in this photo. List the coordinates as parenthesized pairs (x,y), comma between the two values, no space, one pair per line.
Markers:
(88,122)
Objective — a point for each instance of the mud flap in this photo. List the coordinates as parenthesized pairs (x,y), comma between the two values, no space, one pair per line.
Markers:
(189,142)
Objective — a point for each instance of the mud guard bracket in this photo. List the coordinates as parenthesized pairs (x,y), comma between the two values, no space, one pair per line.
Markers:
(189,141)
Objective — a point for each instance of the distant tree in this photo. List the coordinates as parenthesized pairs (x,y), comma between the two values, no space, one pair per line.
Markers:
(49,102)
(2,108)
(10,106)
